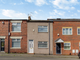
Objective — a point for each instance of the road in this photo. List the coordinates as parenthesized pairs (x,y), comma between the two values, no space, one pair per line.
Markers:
(33,58)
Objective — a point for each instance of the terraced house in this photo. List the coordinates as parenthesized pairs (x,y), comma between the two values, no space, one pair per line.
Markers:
(13,35)
(39,37)
(66,36)
(52,36)
(26,36)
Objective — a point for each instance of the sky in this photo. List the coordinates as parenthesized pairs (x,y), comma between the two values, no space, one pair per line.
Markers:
(39,9)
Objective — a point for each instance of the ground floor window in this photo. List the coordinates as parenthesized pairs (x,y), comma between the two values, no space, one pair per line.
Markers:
(42,44)
(67,46)
(79,45)
(16,43)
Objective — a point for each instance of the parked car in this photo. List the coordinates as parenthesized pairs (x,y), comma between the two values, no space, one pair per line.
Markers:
(79,55)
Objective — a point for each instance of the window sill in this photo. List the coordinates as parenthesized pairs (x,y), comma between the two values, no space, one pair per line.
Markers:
(42,32)
(15,48)
(43,47)
(15,31)
(67,49)
(78,34)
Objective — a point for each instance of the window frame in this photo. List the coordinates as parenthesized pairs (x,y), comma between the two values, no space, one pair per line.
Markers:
(43,31)
(68,31)
(43,47)
(77,31)
(70,46)
(16,25)
(79,45)
(20,43)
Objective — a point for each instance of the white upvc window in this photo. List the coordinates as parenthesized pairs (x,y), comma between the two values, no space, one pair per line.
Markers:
(79,45)
(66,31)
(78,31)
(42,29)
(42,44)
(16,27)
(67,46)
(16,43)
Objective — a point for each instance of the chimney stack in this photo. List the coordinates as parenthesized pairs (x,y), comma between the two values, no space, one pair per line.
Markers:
(58,18)
(29,17)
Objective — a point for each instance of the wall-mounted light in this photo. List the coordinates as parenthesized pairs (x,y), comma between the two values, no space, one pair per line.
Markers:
(58,34)
(9,33)
(33,30)
(2,22)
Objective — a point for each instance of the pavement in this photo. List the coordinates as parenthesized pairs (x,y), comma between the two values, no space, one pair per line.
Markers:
(37,55)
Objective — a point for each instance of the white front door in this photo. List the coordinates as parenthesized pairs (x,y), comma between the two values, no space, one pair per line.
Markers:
(31,44)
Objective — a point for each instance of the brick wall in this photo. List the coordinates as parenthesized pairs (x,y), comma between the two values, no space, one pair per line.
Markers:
(4,28)
(4,32)
(23,33)
(74,38)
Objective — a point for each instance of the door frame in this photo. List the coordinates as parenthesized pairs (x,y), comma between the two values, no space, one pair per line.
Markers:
(33,45)
(60,48)
(0,44)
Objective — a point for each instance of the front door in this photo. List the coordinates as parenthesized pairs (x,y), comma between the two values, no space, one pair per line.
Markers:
(31,44)
(58,48)
(2,44)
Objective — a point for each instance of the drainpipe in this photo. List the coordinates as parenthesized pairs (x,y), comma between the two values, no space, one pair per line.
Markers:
(49,38)
(8,37)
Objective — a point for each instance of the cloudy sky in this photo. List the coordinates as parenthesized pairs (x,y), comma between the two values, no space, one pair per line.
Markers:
(39,9)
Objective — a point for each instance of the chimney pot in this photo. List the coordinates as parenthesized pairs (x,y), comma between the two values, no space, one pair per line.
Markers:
(29,17)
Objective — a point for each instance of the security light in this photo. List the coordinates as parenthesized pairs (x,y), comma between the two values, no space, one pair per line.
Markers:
(2,22)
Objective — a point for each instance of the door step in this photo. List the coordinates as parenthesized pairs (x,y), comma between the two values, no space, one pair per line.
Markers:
(2,52)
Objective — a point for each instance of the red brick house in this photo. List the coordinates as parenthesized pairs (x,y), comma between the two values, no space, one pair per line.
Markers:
(13,35)
(66,36)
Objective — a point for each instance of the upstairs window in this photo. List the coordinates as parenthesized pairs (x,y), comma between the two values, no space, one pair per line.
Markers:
(16,27)
(78,31)
(42,29)
(67,31)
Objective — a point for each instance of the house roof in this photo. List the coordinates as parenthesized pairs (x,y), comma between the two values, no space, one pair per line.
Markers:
(48,20)
(39,21)
(59,40)
(27,20)
(13,19)
(59,19)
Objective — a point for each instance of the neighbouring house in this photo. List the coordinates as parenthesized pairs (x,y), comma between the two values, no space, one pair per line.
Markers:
(39,37)
(18,36)
(66,36)
(13,35)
